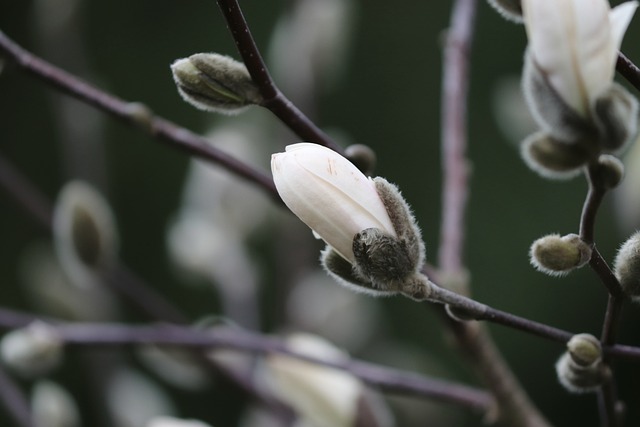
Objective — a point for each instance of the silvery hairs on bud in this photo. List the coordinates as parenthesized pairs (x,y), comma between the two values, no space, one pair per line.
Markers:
(557,256)
(509,9)
(553,159)
(215,83)
(384,264)
(626,267)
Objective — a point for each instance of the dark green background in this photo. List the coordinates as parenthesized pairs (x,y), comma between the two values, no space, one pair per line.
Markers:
(389,99)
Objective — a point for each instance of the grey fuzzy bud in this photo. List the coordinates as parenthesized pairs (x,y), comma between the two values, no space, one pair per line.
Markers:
(552,159)
(580,369)
(607,172)
(551,112)
(616,116)
(626,267)
(384,264)
(510,9)
(214,82)
(557,256)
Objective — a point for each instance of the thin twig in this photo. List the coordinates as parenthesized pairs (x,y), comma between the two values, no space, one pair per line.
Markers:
(14,401)
(274,99)
(607,394)
(133,114)
(454,136)
(628,70)
(391,380)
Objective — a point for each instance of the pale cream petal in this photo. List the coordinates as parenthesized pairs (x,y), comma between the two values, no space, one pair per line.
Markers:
(551,30)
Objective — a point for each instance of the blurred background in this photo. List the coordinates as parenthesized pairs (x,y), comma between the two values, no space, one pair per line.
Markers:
(368,73)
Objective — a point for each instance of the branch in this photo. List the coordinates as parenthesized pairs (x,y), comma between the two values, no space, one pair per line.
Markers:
(628,70)
(14,401)
(388,379)
(274,99)
(133,114)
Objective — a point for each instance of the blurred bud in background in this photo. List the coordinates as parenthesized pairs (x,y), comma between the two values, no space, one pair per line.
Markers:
(207,239)
(176,367)
(309,48)
(325,397)
(53,406)
(32,351)
(52,292)
(175,422)
(133,398)
(85,233)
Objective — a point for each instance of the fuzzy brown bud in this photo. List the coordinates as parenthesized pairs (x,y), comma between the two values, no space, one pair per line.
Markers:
(557,255)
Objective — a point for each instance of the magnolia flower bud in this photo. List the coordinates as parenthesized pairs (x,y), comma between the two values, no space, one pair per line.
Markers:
(33,350)
(575,43)
(557,256)
(510,9)
(214,82)
(552,159)
(374,243)
(329,194)
(626,267)
(615,114)
(580,369)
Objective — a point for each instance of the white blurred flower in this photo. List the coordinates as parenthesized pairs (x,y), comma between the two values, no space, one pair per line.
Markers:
(575,45)
(175,366)
(133,399)
(175,422)
(325,397)
(85,232)
(33,350)
(53,406)
(329,194)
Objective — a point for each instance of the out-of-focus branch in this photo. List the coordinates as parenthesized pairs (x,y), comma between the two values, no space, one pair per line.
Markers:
(391,380)
(514,406)
(133,114)
(628,70)
(274,99)
(14,401)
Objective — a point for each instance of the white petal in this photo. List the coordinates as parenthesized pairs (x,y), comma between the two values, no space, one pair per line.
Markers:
(594,48)
(619,17)
(329,194)
(548,24)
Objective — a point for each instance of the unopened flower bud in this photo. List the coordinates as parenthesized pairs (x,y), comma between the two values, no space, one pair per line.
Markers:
(510,9)
(214,82)
(32,351)
(84,231)
(626,267)
(608,172)
(576,43)
(374,244)
(553,159)
(324,396)
(362,156)
(584,349)
(174,422)
(53,406)
(557,255)
(580,369)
